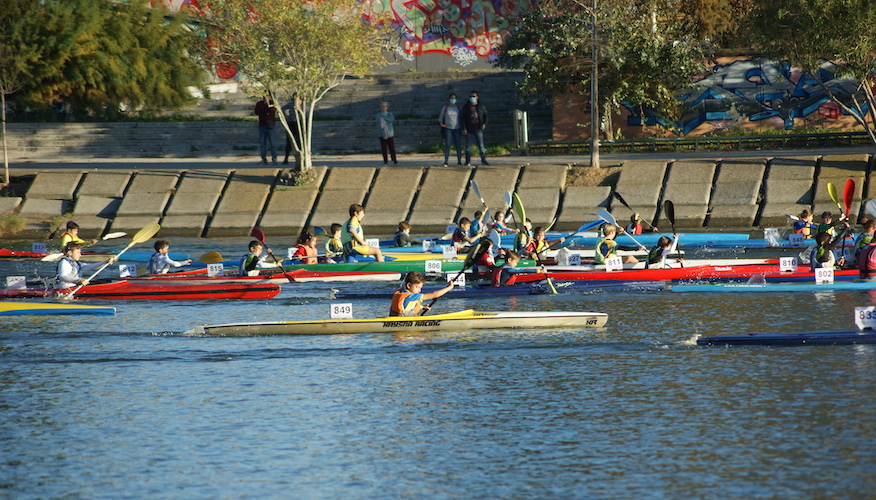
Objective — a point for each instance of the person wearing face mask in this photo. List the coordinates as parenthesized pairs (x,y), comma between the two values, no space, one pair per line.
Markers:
(474,121)
(451,127)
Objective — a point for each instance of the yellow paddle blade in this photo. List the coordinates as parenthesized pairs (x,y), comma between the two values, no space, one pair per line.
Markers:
(831,190)
(210,258)
(144,234)
(519,212)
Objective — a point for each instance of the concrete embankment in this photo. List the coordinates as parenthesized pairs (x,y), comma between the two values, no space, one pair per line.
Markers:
(228,196)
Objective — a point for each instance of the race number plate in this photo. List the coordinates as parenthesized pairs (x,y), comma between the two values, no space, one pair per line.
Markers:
(217,269)
(16,282)
(865,317)
(795,240)
(787,264)
(341,311)
(39,248)
(373,242)
(448,251)
(614,264)
(824,275)
(459,281)
(127,270)
(433,266)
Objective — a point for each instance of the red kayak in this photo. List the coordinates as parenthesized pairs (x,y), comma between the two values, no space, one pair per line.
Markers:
(199,276)
(696,273)
(7,254)
(134,291)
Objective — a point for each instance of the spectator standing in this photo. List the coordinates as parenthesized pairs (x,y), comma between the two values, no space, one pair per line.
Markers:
(267,113)
(386,133)
(292,120)
(451,127)
(474,121)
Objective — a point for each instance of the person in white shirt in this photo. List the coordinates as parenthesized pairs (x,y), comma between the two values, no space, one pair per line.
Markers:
(69,272)
(160,262)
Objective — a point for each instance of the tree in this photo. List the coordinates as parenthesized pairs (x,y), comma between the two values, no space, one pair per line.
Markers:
(644,51)
(14,58)
(810,33)
(287,47)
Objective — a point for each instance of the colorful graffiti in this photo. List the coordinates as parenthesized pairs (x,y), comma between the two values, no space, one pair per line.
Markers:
(463,29)
(757,90)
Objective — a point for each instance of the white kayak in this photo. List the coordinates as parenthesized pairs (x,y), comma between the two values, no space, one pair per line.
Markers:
(461,320)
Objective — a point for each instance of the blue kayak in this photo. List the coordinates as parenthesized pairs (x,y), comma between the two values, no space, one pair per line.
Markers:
(791,339)
(836,286)
(530,288)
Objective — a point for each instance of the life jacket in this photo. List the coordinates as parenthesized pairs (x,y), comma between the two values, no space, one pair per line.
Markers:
(458,235)
(802,227)
(399,308)
(485,263)
(248,262)
(867,261)
(655,255)
(634,228)
(307,255)
(334,247)
(77,266)
(863,240)
(604,249)
(152,266)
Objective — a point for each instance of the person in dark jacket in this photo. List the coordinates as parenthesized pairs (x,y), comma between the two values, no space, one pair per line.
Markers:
(474,121)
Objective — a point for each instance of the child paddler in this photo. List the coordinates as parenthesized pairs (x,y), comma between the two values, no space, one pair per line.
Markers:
(333,246)
(305,248)
(69,271)
(606,247)
(804,225)
(821,255)
(538,243)
(865,238)
(71,235)
(253,261)
(408,300)
(655,256)
(160,262)
(353,237)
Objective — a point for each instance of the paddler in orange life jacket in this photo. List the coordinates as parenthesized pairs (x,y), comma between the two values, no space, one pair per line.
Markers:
(305,248)
(407,301)
(538,243)
(72,235)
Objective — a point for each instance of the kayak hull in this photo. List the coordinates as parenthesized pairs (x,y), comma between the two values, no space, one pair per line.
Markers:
(534,288)
(17,308)
(836,286)
(462,320)
(698,273)
(125,290)
(792,339)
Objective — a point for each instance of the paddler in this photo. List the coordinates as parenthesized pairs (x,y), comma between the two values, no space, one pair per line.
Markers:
(333,246)
(160,262)
(804,225)
(503,273)
(498,224)
(353,237)
(635,225)
(655,256)
(253,261)
(821,254)
(538,243)
(305,248)
(69,271)
(462,235)
(72,235)
(407,301)
(403,236)
(524,237)
(866,237)
(606,247)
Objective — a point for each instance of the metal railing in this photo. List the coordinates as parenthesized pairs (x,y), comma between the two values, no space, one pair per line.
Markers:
(714,143)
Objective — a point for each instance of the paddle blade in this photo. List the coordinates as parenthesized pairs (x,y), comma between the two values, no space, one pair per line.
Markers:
(112,236)
(477,191)
(849,195)
(622,200)
(870,207)
(508,199)
(519,212)
(210,258)
(590,225)
(475,253)
(607,217)
(52,257)
(144,234)
(551,225)
(831,190)
(258,234)
(669,208)
(318,230)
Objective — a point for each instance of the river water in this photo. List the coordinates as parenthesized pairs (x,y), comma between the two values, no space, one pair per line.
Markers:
(129,407)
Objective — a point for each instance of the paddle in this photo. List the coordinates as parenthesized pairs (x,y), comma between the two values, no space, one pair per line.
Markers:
(607,217)
(210,258)
(581,230)
(477,192)
(624,203)
(831,190)
(141,236)
(520,215)
(54,257)
(258,234)
(473,255)
(870,207)
(848,196)
(669,208)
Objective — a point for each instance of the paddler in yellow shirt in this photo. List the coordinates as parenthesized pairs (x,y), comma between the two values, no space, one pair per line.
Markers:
(353,236)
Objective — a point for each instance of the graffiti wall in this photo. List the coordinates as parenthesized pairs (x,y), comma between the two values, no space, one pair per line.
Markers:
(736,93)
(468,31)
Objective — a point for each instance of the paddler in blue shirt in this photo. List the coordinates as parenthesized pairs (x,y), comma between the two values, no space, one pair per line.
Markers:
(160,262)
(407,301)
(477,225)
(69,272)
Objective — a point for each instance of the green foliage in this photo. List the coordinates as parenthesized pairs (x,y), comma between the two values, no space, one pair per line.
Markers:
(102,57)
(10,224)
(809,32)
(289,46)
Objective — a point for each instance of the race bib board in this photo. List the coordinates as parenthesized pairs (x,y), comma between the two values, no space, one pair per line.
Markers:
(39,248)
(428,245)
(824,275)
(433,266)
(448,251)
(16,282)
(341,311)
(614,264)
(865,317)
(574,260)
(787,264)
(373,242)
(796,240)
(216,269)
(458,279)
(127,270)
(290,252)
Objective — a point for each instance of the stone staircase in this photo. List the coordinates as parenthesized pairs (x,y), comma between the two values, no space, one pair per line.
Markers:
(343,122)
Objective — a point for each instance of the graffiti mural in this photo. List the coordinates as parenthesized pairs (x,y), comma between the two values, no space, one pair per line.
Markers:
(757,91)
(465,30)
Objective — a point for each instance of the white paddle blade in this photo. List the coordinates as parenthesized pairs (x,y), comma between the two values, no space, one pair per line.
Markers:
(607,217)
(871,208)
(52,257)
(112,236)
